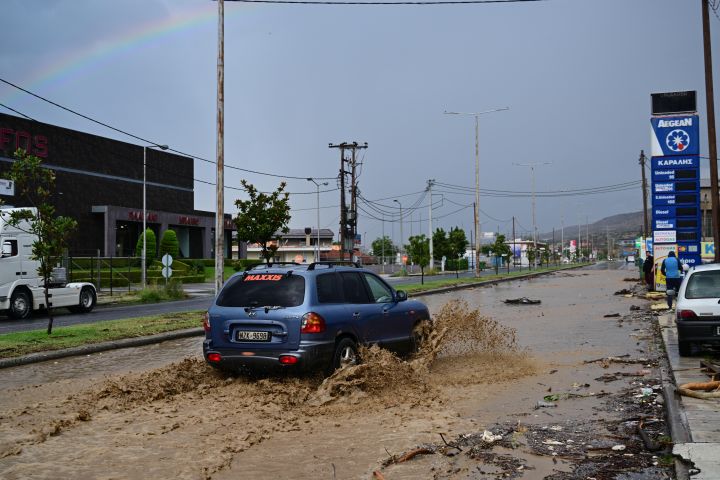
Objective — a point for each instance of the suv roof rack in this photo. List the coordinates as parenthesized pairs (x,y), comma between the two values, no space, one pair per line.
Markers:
(272,264)
(332,263)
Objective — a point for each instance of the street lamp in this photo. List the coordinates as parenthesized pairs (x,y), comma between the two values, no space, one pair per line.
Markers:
(317,247)
(144,248)
(477,181)
(532,173)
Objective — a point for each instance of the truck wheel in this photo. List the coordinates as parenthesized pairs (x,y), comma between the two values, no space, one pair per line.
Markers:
(20,304)
(87,301)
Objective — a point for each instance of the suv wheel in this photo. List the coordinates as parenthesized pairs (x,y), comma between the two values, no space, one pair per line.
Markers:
(419,335)
(346,354)
(684,348)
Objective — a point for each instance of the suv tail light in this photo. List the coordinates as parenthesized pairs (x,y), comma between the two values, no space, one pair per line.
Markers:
(206,321)
(686,315)
(312,323)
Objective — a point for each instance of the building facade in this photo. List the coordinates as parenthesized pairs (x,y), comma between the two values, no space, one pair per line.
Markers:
(298,246)
(99,183)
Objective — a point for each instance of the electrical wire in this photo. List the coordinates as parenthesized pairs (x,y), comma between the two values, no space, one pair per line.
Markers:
(19,113)
(404,3)
(179,152)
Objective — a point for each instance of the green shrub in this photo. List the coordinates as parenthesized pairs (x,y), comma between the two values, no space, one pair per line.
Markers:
(196,267)
(173,290)
(151,245)
(169,244)
(245,264)
(150,295)
(456,264)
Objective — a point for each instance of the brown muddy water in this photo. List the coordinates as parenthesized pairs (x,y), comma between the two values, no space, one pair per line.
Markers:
(159,412)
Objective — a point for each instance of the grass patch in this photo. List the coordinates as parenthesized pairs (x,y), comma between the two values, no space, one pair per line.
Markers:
(447,282)
(22,343)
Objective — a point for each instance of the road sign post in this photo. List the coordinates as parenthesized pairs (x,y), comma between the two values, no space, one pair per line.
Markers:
(167,261)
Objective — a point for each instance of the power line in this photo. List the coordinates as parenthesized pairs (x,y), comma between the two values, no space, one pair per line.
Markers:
(404,3)
(179,152)
(19,113)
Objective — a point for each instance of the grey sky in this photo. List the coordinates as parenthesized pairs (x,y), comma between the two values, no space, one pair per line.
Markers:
(577,76)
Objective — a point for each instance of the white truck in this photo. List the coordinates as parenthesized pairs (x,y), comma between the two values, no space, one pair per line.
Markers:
(21,287)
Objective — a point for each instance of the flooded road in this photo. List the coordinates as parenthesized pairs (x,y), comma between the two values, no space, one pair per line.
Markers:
(159,411)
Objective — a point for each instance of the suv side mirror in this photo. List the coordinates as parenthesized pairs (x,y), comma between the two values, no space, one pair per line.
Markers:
(7,250)
(400,296)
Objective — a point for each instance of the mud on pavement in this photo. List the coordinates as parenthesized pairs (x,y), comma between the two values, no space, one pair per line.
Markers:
(540,391)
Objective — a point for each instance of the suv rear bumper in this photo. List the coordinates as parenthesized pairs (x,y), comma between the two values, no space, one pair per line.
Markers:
(700,332)
(310,355)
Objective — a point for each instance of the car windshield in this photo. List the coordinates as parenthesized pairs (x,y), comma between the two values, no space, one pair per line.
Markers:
(263,290)
(703,285)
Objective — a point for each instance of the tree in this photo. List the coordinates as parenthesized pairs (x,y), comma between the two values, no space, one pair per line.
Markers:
(169,244)
(384,247)
(457,242)
(530,252)
(150,245)
(263,217)
(441,245)
(419,249)
(35,185)
(500,248)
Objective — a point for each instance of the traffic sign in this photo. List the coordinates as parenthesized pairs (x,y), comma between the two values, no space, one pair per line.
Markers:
(167,260)
(167,272)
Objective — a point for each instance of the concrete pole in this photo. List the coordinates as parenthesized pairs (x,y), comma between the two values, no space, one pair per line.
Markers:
(220,150)
(143,261)
(430,227)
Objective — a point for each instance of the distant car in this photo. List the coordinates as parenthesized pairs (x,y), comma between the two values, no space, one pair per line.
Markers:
(307,317)
(630,259)
(698,308)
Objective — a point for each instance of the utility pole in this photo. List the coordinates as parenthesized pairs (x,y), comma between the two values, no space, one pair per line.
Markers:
(562,237)
(430,228)
(644,187)
(348,218)
(220,151)
(712,145)
(401,232)
(514,246)
(532,174)
(607,233)
(383,243)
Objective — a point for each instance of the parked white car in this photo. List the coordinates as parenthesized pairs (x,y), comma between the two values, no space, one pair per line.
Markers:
(698,308)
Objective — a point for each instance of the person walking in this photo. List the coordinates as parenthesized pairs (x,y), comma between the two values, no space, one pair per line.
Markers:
(649,271)
(671,269)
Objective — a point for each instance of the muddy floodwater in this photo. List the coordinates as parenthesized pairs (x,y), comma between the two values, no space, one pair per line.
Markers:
(554,390)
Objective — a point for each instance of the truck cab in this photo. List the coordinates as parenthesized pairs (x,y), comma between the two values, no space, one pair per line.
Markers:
(21,287)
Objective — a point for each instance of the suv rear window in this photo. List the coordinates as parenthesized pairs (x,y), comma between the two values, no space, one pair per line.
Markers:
(703,285)
(260,290)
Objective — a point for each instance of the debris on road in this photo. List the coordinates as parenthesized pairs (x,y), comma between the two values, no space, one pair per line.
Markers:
(702,390)
(623,291)
(522,301)
(611,315)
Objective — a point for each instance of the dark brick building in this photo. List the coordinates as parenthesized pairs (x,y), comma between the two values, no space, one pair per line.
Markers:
(99,182)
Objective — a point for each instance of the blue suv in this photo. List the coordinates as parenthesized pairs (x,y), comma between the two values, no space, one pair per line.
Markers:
(307,317)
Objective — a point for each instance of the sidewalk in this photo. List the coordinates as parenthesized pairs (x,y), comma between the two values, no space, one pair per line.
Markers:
(701,417)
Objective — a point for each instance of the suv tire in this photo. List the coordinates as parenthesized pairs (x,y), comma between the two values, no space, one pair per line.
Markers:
(346,354)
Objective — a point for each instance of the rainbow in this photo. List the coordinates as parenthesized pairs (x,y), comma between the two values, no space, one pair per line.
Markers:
(78,63)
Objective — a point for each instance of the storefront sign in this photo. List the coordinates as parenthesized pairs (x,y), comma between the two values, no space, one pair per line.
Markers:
(7,187)
(138,216)
(664,224)
(675,135)
(11,140)
(664,236)
(185,220)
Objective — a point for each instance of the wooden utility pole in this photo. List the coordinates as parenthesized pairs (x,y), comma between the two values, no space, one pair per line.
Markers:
(712,145)
(220,151)
(644,189)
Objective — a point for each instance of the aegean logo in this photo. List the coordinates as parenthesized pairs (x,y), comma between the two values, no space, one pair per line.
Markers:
(677,140)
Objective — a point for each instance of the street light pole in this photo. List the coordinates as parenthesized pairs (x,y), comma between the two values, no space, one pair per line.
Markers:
(144,248)
(532,174)
(477,179)
(317,246)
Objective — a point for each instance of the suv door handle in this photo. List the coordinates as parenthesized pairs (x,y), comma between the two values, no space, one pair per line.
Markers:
(385,311)
(356,314)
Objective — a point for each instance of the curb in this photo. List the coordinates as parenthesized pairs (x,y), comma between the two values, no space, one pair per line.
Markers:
(161,337)
(99,347)
(464,286)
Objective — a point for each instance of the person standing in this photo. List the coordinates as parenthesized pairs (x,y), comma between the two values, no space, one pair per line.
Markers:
(649,271)
(671,269)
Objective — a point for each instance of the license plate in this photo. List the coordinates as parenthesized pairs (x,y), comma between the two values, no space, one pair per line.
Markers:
(717,330)
(246,336)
